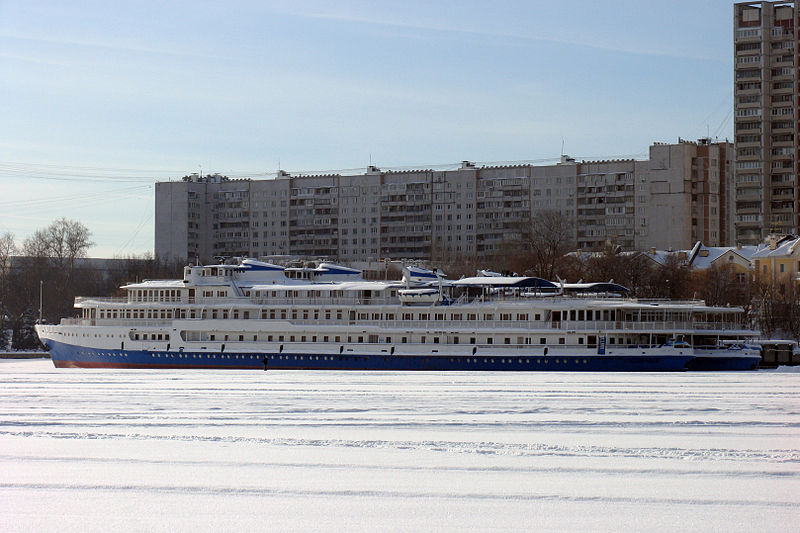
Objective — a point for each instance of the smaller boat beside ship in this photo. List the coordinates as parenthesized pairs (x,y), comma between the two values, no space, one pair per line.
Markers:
(259,315)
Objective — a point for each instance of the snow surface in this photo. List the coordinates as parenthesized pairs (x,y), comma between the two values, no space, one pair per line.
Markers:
(196,450)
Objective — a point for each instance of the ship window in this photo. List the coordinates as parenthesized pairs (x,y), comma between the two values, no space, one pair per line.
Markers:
(455,340)
(360,338)
(439,316)
(489,340)
(388,340)
(581,315)
(305,314)
(472,316)
(542,340)
(403,340)
(280,338)
(283,314)
(255,337)
(327,315)
(522,316)
(225,313)
(472,340)
(324,338)
(436,340)
(213,313)
(572,314)
(241,337)
(236,313)
(226,337)
(520,340)
(337,339)
(507,340)
(303,338)
(422,339)
(611,340)
(537,316)
(488,316)
(338,314)
(561,340)
(291,338)
(580,340)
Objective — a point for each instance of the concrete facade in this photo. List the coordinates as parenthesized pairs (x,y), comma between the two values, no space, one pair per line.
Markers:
(671,200)
(766,122)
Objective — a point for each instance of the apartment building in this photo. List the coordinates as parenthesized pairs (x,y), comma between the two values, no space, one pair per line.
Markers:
(671,200)
(766,122)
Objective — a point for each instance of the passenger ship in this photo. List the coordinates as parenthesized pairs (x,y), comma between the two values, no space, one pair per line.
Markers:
(257,315)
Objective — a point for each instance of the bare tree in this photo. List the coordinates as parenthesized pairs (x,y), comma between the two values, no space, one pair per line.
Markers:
(542,240)
(61,243)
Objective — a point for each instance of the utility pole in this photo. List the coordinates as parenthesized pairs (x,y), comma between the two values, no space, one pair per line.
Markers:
(41,285)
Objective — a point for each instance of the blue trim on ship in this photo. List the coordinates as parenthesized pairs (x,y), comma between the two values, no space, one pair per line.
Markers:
(67,355)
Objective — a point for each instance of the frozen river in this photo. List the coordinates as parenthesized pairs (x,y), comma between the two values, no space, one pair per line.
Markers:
(84,450)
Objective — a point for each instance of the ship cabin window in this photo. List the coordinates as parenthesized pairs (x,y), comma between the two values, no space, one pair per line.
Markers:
(136,336)
(283,314)
(294,314)
(489,340)
(439,316)
(488,316)
(388,340)
(537,316)
(224,313)
(403,340)
(235,313)
(246,315)
(424,316)
(408,316)
(507,340)
(522,316)
(572,314)
(337,339)
(226,337)
(505,316)
(611,340)
(302,338)
(581,315)
(436,340)
(472,340)
(280,338)
(212,337)
(591,341)
(327,315)
(562,340)
(241,338)
(376,316)
(580,340)
(389,316)
(213,313)
(363,316)
(221,294)
(472,316)
(338,314)
(542,340)
(255,338)
(324,338)
(422,339)
(291,338)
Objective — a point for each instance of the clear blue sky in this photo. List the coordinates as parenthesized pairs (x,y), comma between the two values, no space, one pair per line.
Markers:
(99,99)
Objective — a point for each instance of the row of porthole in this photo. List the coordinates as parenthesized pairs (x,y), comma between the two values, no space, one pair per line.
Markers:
(527,361)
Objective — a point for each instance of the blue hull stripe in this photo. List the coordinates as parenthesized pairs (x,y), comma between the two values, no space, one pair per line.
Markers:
(65,355)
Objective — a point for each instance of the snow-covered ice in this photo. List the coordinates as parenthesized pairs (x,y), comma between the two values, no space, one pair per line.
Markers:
(195,450)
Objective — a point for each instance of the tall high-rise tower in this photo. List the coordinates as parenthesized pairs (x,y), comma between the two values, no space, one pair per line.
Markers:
(766,123)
